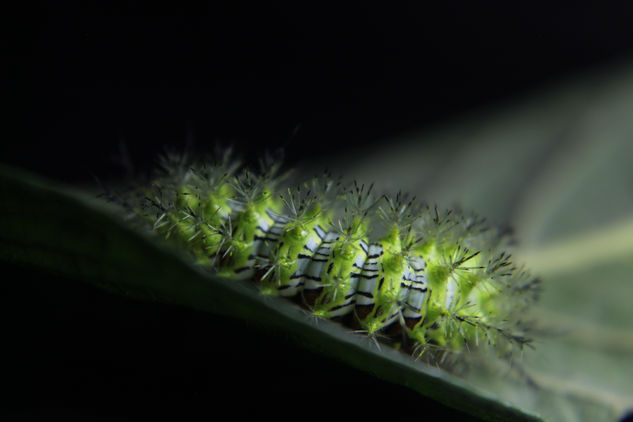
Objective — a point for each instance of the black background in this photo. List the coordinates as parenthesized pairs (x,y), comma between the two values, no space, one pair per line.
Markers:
(318,80)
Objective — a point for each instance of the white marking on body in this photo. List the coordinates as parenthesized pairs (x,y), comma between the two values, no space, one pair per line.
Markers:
(417,289)
(267,233)
(317,265)
(369,277)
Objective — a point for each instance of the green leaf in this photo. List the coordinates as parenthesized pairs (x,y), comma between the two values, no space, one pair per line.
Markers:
(63,231)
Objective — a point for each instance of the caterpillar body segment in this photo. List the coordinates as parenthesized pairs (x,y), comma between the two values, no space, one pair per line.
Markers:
(289,258)
(243,234)
(334,293)
(382,265)
(338,265)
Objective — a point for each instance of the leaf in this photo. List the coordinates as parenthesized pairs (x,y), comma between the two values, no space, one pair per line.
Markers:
(558,166)
(62,231)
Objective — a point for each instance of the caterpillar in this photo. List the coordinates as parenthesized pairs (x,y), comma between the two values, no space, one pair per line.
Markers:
(398,270)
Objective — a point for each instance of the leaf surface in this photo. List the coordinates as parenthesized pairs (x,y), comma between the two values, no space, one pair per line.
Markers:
(64,232)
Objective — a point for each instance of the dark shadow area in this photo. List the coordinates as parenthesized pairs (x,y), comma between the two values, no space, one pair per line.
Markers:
(317,80)
(73,350)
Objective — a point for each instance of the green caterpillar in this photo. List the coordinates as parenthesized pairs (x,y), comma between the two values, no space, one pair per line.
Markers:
(397,270)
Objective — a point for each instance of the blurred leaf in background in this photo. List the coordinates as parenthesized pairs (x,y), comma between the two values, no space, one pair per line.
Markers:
(557,167)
